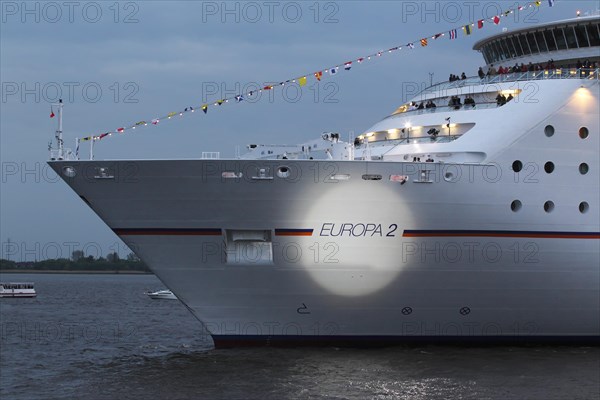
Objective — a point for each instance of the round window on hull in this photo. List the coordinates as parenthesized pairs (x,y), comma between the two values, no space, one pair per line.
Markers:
(517,166)
(516,205)
(283,172)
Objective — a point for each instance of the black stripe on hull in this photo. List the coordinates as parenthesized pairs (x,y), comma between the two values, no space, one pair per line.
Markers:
(233,341)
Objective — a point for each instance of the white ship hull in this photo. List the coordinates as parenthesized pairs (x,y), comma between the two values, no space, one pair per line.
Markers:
(358,258)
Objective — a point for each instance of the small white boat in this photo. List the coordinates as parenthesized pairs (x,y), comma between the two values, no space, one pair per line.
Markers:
(162,295)
(17,289)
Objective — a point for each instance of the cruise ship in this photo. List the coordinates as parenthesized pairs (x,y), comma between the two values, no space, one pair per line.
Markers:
(474,220)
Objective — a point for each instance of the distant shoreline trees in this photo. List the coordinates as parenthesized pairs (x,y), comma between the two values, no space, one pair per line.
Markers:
(79,262)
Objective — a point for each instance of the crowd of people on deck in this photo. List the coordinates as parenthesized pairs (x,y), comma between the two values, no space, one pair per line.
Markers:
(453,77)
(521,68)
(456,103)
(501,99)
(531,67)
(421,106)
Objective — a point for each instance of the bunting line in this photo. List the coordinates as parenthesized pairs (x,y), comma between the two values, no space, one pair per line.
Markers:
(302,80)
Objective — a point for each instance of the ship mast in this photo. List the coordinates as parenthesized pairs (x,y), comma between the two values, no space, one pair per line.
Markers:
(59,153)
(59,132)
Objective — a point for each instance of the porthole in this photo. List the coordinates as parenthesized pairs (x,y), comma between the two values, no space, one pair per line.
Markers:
(584,207)
(584,132)
(69,172)
(549,167)
(516,205)
(549,130)
(517,166)
(584,168)
(283,172)
(549,206)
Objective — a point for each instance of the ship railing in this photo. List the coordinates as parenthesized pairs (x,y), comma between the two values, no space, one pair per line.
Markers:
(412,140)
(558,73)
(64,154)
(438,109)
(211,155)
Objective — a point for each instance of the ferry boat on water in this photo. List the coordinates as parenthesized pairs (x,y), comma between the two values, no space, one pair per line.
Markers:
(17,289)
(475,221)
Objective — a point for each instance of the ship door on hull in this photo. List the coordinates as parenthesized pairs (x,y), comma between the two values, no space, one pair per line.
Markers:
(248,247)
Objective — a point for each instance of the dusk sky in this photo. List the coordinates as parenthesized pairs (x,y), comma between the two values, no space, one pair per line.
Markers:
(116,63)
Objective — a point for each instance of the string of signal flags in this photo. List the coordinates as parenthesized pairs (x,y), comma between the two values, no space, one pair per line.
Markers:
(302,80)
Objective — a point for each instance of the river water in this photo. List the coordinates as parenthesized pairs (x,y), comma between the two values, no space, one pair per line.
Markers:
(101,337)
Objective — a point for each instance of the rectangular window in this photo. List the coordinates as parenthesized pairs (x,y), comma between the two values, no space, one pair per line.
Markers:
(541,41)
(524,44)
(532,43)
(549,36)
(486,54)
(561,42)
(517,46)
(582,38)
(497,54)
(571,38)
(506,52)
(594,34)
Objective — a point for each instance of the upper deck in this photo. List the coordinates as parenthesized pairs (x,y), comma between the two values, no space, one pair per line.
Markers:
(501,108)
(485,90)
(565,42)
